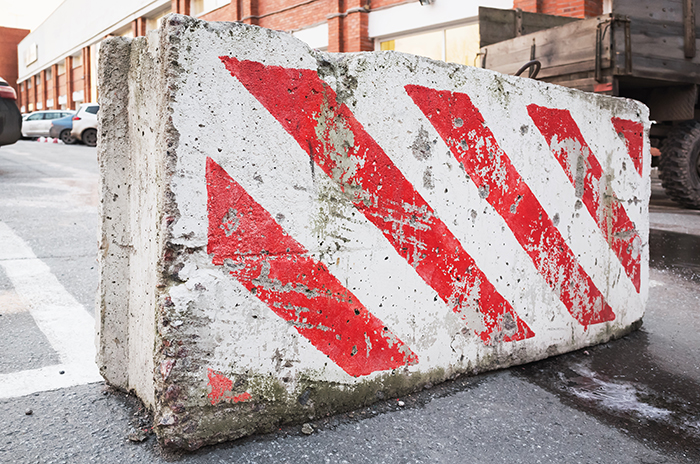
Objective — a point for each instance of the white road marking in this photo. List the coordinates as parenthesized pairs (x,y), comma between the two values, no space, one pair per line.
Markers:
(68,327)
(46,378)
(12,303)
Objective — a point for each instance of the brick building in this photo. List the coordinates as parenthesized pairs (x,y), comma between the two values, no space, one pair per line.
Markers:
(9,38)
(573,8)
(58,60)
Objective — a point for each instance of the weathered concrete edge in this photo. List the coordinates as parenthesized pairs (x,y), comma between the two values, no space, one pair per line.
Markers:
(114,234)
(276,407)
(132,185)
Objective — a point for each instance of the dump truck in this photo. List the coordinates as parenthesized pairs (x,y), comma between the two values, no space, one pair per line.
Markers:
(641,49)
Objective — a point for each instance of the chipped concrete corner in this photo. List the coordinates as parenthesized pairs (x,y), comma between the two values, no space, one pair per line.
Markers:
(288,233)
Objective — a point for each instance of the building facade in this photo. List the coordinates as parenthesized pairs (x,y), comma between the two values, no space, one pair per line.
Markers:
(572,8)
(9,38)
(58,60)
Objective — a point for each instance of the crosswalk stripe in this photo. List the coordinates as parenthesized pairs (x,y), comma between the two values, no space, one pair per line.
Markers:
(68,327)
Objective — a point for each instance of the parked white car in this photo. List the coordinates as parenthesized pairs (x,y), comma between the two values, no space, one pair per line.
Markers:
(38,123)
(85,124)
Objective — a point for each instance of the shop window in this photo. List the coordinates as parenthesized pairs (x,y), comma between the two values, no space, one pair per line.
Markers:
(462,44)
(426,44)
(455,44)
(200,7)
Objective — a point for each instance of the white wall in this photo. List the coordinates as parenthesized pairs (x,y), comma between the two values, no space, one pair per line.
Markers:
(413,17)
(315,36)
(78,23)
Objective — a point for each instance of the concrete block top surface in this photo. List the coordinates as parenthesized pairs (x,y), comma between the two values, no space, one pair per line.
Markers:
(306,232)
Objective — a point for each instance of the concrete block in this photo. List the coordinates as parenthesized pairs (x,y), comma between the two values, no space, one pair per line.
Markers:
(288,233)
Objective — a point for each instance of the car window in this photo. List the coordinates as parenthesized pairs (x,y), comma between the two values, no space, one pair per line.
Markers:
(50,115)
(92,109)
(34,117)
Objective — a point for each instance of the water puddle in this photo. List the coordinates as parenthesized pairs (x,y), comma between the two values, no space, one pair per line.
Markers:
(613,395)
(623,385)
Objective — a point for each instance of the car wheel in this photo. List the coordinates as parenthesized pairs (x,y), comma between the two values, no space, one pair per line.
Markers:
(66,137)
(90,137)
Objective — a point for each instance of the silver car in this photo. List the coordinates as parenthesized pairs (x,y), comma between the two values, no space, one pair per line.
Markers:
(38,123)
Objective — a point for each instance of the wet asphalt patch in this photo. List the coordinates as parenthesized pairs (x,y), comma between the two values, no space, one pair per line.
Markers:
(622,385)
(676,252)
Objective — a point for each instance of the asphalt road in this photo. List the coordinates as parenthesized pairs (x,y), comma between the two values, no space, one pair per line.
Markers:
(633,400)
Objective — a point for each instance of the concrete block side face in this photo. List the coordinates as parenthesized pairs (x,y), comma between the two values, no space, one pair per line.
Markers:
(338,229)
(150,133)
(135,138)
(114,153)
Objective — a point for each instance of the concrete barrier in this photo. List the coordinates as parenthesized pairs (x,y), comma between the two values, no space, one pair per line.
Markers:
(288,233)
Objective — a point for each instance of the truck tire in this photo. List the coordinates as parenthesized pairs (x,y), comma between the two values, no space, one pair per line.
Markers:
(679,165)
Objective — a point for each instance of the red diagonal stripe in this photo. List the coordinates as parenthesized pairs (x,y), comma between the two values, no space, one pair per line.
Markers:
(586,174)
(633,134)
(307,108)
(277,269)
(462,127)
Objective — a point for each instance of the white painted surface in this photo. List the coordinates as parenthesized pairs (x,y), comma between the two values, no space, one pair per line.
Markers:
(79,23)
(315,37)
(414,17)
(66,324)
(224,327)
(270,154)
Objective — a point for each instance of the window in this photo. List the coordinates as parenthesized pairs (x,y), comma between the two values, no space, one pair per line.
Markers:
(126,31)
(31,54)
(154,22)
(77,61)
(48,74)
(456,44)
(462,44)
(61,68)
(200,7)
(427,44)
(29,83)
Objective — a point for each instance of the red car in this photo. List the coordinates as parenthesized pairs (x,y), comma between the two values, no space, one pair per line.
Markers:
(10,117)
